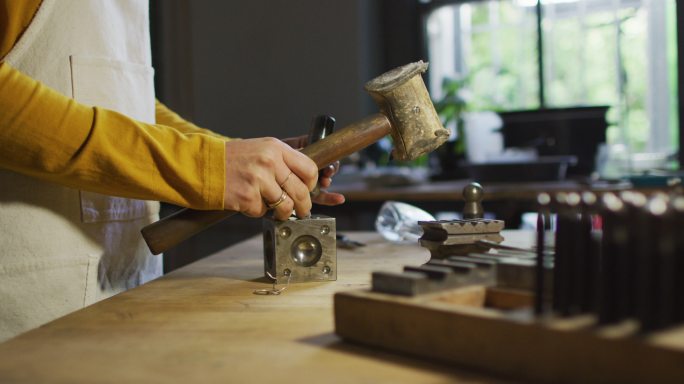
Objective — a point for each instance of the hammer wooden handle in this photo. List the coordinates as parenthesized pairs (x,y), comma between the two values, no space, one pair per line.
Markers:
(348,140)
(173,229)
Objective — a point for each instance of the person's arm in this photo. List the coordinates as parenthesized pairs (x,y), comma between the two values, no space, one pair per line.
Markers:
(170,118)
(52,137)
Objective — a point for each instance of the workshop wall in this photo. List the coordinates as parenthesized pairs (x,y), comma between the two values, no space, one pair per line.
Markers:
(265,67)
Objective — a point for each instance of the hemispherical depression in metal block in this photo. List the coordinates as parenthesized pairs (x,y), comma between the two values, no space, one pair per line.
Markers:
(306,250)
(325,230)
(285,232)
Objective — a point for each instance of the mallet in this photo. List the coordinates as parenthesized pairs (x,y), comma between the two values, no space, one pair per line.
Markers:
(407,113)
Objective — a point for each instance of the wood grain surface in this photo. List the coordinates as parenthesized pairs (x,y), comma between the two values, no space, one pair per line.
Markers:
(203,324)
(555,350)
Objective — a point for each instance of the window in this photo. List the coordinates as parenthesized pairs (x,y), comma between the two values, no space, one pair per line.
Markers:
(620,53)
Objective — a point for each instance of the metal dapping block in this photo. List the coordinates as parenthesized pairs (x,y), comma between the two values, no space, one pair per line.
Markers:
(301,249)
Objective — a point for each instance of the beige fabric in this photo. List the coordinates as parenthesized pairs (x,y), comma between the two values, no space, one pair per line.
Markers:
(62,249)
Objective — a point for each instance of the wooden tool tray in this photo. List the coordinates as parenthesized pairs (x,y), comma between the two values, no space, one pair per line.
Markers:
(493,329)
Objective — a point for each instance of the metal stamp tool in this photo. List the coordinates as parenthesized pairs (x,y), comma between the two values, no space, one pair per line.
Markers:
(460,237)
(300,249)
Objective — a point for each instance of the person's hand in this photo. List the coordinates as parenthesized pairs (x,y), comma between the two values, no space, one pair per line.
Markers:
(267,172)
(325,179)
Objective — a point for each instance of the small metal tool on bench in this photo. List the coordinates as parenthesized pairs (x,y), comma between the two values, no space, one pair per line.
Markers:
(437,275)
(511,272)
(344,242)
(460,237)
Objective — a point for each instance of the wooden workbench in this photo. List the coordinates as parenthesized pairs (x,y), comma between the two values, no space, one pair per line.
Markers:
(203,324)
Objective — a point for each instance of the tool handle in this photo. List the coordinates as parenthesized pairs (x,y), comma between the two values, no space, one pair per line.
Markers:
(321,127)
(348,140)
(170,231)
(174,229)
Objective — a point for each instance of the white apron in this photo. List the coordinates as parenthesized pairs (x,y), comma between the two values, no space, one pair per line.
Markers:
(60,248)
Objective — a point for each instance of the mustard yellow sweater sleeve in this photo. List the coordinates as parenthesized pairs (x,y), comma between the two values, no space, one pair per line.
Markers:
(52,137)
(15,16)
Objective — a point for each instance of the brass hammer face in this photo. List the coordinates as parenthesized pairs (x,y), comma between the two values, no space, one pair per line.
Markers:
(402,97)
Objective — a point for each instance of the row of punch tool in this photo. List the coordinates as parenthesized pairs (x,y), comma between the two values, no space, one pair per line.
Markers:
(617,256)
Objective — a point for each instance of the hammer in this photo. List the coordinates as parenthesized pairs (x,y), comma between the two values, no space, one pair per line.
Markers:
(406,112)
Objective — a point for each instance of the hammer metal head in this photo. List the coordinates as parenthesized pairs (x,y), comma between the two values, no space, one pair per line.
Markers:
(402,97)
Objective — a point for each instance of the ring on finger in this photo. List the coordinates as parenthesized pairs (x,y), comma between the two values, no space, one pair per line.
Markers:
(282,198)
(286,179)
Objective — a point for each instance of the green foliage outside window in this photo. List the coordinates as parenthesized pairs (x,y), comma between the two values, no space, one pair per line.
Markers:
(581,62)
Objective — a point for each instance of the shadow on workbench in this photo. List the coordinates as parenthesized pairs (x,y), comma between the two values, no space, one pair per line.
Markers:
(224,234)
(333,342)
(351,216)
